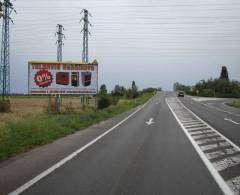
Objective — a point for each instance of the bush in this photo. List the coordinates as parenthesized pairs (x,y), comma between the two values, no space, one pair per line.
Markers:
(103,102)
(151,90)
(234,103)
(114,100)
(5,106)
(207,93)
(131,94)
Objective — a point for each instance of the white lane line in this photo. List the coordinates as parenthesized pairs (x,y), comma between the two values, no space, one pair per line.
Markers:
(204,135)
(71,156)
(219,109)
(217,154)
(197,128)
(220,181)
(209,141)
(215,146)
(232,121)
(191,121)
(192,124)
(201,132)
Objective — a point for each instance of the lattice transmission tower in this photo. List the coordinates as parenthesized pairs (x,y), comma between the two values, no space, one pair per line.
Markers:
(86,33)
(7,8)
(60,37)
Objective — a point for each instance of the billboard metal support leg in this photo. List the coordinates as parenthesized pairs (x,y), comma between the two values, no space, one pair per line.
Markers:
(58,103)
(49,104)
(88,100)
(95,103)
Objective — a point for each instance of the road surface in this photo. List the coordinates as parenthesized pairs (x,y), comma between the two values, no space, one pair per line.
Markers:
(167,146)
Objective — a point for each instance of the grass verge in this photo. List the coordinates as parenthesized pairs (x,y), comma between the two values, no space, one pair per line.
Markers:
(20,136)
(234,103)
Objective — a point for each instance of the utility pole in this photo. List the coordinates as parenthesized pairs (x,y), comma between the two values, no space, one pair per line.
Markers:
(7,8)
(86,32)
(60,43)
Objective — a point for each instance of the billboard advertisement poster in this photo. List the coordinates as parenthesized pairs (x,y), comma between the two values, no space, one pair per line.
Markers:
(62,77)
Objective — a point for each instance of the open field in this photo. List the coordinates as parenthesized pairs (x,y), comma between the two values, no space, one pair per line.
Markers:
(24,106)
(235,103)
(29,126)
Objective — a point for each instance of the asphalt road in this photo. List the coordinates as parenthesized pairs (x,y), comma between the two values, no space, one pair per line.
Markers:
(218,115)
(161,148)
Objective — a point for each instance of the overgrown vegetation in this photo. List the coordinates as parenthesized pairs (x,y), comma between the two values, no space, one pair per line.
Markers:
(5,106)
(17,136)
(103,102)
(220,87)
(234,103)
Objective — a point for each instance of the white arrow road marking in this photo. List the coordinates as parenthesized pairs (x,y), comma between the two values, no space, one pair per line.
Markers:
(230,120)
(150,122)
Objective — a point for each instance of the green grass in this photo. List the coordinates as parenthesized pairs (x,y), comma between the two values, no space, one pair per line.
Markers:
(234,103)
(20,136)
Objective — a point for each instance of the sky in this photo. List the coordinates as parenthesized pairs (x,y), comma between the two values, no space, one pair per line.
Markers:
(154,42)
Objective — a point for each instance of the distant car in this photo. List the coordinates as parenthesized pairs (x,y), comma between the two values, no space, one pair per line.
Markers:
(180,94)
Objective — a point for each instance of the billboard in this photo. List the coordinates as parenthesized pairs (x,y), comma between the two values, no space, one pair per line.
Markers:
(62,77)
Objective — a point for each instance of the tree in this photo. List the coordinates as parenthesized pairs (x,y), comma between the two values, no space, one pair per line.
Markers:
(119,91)
(134,89)
(224,73)
(151,90)
(132,92)
(180,87)
(103,90)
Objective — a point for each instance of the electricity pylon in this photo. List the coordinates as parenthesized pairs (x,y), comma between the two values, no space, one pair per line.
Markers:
(60,43)
(6,8)
(86,32)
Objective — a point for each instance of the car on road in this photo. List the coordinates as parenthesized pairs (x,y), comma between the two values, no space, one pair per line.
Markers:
(180,94)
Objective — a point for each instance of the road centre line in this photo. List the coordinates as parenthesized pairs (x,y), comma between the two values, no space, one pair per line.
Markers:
(73,155)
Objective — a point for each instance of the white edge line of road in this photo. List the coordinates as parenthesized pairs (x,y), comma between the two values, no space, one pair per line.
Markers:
(71,156)
(219,180)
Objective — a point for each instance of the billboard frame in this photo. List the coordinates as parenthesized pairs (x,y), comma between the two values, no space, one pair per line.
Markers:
(31,62)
